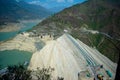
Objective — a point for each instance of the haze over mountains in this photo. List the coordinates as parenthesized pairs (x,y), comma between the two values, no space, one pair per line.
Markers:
(12,11)
(54,5)
(101,16)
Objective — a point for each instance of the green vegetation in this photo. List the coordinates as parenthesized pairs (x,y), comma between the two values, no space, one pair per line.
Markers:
(17,73)
(44,73)
(20,72)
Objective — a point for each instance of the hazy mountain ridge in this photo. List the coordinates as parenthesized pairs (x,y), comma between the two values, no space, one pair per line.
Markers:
(12,11)
(101,15)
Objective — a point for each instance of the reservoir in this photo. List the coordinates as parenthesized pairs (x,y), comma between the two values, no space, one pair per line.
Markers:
(7,35)
(13,57)
(27,25)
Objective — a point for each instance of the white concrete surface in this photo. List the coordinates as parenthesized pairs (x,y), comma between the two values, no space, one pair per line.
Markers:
(68,57)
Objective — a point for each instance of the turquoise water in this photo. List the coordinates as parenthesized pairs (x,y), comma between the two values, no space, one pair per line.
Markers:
(7,35)
(13,57)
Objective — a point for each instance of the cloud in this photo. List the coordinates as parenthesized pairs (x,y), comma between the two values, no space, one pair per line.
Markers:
(18,0)
(63,1)
(34,2)
(60,1)
(70,1)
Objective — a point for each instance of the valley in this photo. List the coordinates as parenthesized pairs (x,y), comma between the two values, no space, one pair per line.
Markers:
(81,42)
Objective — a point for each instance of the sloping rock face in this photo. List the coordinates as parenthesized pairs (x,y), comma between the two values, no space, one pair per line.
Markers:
(23,43)
(68,57)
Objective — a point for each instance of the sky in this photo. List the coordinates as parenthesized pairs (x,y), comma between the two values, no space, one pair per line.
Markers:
(54,3)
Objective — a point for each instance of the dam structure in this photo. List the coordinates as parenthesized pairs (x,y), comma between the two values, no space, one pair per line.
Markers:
(73,60)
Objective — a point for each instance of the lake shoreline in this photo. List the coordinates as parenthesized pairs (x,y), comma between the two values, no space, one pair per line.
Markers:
(12,27)
(10,30)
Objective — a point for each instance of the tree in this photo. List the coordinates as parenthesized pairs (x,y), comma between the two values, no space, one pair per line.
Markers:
(43,74)
(21,72)
(16,73)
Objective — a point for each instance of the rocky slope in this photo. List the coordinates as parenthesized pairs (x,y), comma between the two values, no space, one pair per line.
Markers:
(22,42)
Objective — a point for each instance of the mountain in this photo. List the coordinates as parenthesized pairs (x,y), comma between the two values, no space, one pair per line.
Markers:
(12,11)
(96,23)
